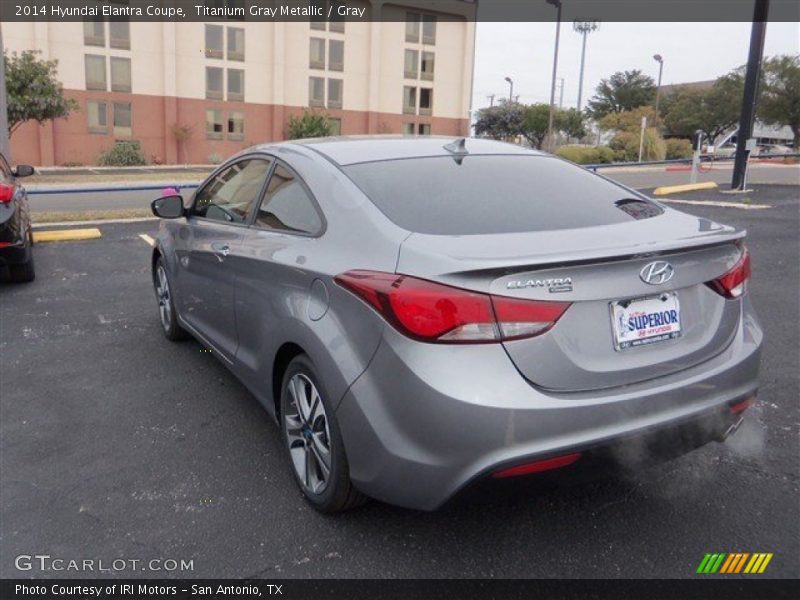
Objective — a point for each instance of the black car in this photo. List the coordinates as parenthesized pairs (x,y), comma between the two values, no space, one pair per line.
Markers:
(16,237)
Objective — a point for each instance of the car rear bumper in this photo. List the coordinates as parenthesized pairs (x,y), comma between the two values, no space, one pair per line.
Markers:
(425,420)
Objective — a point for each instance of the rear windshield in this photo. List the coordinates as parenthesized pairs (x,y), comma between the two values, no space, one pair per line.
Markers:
(491,194)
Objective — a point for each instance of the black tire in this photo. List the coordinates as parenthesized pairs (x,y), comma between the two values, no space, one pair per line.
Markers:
(338,493)
(24,272)
(168,316)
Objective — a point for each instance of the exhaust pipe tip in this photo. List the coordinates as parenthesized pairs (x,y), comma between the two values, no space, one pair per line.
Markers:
(731,430)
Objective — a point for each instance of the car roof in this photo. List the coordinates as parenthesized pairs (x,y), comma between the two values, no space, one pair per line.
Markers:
(348,150)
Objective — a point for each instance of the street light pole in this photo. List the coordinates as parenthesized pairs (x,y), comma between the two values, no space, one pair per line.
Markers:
(757,35)
(660,60)
(510,89)
(557,4)
(491,100)
(584,28)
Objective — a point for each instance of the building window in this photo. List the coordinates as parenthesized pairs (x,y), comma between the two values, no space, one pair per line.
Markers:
(235,125)
(318,25)
(316,91)
(316,53)
(94,33)
(412,27)
(214,83)
(236,84)
(95,72)
(97,116)
(119,33)
(409,100)
(336,55)
(334,93)
(408,129)
(336,126)
(424,129)
(410,68)
(123,119)
(427,66)
(336,24)
(120,74)
(235,43)
(213,124)
(425,101)
(428,29)
(214,41)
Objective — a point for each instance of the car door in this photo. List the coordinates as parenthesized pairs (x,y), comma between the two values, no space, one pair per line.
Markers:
(219,215)
(273,279)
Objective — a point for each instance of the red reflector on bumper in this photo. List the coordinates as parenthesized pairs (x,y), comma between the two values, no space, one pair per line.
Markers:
(538,466)
(741,406)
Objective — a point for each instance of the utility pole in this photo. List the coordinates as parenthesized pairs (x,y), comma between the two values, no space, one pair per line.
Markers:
(550,142)
(660,60)
(750,101)
(584,28)
(5,146)
(561,92)
(491,99)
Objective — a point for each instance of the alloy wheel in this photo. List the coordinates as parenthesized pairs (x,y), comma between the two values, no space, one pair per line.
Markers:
(307,434)
(162,293)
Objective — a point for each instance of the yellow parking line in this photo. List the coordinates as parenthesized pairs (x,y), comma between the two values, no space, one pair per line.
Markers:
(147,239)
(689,187)
(66,235)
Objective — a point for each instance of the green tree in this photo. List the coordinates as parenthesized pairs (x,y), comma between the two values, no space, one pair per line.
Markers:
(310,124)
(33,90)
(780,93)
(713,110)
(624,90)
(571,122)
(534,124)
(502,121)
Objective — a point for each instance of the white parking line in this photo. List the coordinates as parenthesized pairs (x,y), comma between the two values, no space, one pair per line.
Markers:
(716,203)
(147,239)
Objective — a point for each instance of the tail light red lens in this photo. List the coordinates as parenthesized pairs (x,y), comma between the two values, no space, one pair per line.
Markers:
(733,283)
(6,193)
(433,312)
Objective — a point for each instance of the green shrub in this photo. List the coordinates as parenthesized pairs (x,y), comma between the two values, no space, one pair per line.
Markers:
(678,148)
(311,124)
(127,153)
(625,145)
(586,155)
(214,158)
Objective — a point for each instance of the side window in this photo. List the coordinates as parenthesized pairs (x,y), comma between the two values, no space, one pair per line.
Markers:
(287,206)
(232,193)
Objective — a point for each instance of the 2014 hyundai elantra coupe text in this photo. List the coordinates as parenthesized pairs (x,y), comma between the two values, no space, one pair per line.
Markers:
(420,314)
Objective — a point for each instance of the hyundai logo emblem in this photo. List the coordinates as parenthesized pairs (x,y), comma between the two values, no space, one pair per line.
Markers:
(657,272)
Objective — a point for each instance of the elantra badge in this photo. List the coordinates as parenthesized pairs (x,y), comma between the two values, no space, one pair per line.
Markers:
(554,286)
(657,272)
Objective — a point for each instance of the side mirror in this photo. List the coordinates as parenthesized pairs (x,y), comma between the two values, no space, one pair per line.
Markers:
(168,207)
(23,171)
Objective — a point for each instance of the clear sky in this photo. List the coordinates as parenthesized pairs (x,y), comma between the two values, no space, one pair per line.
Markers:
(691,51)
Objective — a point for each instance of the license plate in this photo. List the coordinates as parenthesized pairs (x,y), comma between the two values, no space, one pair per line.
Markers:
(646,320)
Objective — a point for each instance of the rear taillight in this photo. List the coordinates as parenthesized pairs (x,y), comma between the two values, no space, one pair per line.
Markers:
(733,283)
(432,312)
(6,193)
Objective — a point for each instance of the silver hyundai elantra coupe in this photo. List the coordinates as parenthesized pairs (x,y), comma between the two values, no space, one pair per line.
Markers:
(420,314)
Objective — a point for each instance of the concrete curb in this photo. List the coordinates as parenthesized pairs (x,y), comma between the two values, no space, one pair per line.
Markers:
(66,235)
(689,187)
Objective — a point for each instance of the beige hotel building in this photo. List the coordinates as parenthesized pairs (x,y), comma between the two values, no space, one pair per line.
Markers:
(197,92)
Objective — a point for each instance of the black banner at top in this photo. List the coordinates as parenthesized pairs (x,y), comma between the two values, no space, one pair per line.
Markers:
(395,10)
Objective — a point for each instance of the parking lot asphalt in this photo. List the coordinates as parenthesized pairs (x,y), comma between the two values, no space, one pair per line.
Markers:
(115,443)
